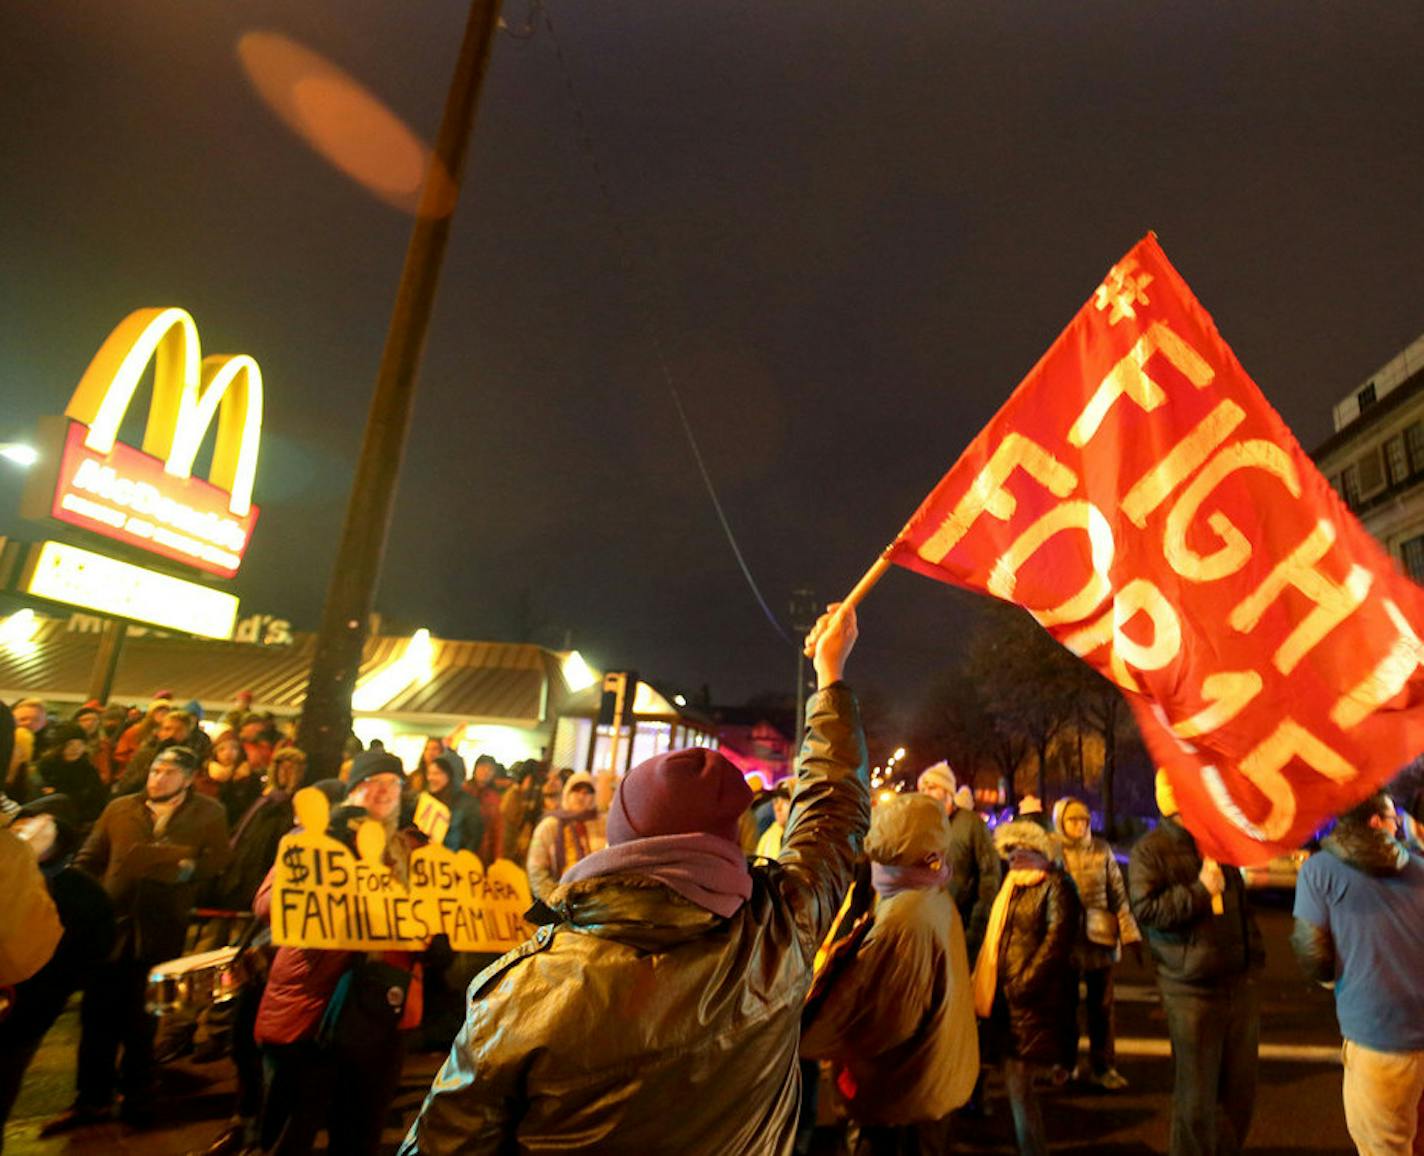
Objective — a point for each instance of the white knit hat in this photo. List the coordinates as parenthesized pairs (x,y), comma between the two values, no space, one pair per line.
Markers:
(939,775)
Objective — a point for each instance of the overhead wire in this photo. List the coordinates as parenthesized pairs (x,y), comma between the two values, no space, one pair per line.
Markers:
(539,9)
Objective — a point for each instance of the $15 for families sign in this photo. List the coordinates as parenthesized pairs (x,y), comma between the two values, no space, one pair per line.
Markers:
(325,896)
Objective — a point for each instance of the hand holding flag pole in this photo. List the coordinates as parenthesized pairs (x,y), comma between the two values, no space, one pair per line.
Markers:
(858,592)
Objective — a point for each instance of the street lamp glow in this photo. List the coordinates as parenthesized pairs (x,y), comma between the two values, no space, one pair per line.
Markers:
(22,455)
(899,753)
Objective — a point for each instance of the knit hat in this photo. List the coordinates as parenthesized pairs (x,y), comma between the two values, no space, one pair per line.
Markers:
(369,763)
(906,830)
(939,775)
(679,793)
(964,798)
(1031,805)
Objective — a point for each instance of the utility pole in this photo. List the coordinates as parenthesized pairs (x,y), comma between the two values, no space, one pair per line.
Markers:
(326,716)
(804,612)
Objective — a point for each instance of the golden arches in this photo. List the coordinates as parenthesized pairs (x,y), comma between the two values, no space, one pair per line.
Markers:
(188,391)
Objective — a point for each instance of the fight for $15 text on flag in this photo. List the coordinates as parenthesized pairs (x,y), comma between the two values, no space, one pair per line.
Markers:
(1142,500)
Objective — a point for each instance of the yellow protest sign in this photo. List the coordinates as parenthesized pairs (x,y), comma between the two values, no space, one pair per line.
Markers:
(325,896)
(432,816)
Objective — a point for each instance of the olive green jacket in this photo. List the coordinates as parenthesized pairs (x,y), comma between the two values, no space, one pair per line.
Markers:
(900,1016)
(642,1023)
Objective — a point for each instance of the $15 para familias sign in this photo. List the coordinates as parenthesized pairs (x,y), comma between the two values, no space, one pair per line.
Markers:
(325,896)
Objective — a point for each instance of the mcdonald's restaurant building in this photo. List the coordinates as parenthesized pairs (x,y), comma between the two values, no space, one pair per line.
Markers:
(131,552)
(502,699)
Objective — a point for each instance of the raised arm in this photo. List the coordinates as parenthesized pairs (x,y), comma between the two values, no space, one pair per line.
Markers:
(830,806)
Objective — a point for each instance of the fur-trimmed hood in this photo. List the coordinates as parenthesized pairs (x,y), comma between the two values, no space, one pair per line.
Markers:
(1024,833)
(1367,849)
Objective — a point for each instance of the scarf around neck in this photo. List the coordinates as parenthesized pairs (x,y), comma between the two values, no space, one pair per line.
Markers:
(986,970)
(571,837)
(888,880)
(704,869)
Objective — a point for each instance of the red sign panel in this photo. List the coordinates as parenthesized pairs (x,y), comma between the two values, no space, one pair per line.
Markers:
(1142,500)
(126,495)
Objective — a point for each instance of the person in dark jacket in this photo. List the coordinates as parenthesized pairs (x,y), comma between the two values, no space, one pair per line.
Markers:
(49,826)
(661,1013)
(898,1017)
(152,852)
(444,779)
(1205,959)
(66,770)
(974,864)
(1359,927)
(1024,968)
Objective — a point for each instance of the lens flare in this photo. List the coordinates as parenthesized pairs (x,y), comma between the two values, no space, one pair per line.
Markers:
(345,124)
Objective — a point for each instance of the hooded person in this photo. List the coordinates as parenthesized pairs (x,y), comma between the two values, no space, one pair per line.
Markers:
(898,1018)
(445,780)
(1025,967)
(1198,924)
(1108,926)
(674,964)
(66,770)
(49,826)
(565,836)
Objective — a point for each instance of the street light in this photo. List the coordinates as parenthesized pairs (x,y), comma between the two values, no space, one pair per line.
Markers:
(22,455)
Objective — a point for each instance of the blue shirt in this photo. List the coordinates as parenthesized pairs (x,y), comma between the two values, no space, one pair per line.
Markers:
(1377,924)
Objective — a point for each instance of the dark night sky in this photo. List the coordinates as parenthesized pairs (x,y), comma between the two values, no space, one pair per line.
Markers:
(856,226)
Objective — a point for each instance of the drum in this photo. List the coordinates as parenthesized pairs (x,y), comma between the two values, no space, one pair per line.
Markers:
(194,982)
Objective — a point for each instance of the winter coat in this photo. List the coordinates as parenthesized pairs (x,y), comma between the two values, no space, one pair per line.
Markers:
(135,773)
(900,1016)
(642,1022)
(88,920)
(1192,946)
(1032,1012)
(150,904)
(1100,888)
(974,874)
(467,828)
(79,782)
(488,799)
(238,794)
(254,849)
(29,924)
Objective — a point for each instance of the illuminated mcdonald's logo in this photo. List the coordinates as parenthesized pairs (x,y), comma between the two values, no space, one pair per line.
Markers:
(149,499)
(187,392)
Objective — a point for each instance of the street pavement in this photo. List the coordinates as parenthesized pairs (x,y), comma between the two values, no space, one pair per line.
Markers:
(1298,1108)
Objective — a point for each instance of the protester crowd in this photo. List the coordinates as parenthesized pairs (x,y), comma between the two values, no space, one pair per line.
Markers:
(773,951)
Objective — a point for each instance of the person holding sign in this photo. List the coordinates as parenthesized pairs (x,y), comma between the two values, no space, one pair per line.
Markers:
(315,1023)
(1206,944)
(674,963)
(445,780)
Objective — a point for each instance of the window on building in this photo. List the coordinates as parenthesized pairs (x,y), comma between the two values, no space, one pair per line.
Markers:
(1370,472)
(1414,443)
(1366,397)
(1412,554)
(1350,486)
(1396,460)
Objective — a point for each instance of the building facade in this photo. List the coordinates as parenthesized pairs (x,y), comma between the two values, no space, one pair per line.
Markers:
(1375,458)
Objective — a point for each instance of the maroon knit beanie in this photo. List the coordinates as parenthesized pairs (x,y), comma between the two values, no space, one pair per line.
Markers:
(679,793)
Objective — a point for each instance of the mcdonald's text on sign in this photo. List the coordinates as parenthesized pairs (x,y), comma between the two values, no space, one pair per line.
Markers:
(1139,497)
(147,498)
(125,495)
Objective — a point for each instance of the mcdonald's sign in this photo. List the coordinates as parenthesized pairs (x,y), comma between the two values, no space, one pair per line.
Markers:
(147,498)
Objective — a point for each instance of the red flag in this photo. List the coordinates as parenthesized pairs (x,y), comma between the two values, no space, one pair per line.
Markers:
(1142,500)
